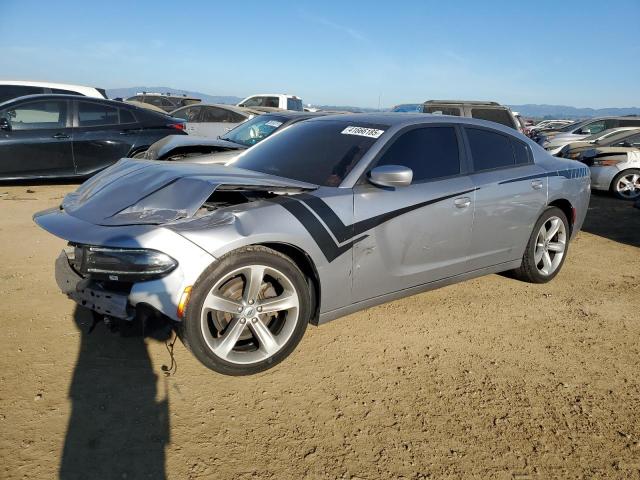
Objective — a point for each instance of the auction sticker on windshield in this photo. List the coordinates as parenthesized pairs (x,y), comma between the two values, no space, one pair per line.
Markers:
(362,131)
(273,123)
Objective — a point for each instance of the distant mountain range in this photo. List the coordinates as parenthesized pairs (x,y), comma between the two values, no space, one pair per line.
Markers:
(528,110)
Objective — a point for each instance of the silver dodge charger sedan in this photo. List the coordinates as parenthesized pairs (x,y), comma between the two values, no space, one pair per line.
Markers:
(324,218)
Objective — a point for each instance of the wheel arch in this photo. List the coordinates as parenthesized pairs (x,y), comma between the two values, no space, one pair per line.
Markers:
(304,261)
(567,208)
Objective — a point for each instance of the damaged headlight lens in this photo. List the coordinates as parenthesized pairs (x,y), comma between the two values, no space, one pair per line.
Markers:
(120,264)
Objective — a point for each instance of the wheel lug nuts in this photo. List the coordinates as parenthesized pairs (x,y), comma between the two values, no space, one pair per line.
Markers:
(255,320)
(250,302)
(239,309)
(259,309)
(243,320)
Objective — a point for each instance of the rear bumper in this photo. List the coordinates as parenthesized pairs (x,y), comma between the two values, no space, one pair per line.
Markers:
(601,177)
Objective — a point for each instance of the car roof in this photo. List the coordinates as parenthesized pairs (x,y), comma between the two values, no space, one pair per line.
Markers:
(464,102)
(85,90)
(61,96)
(401,119)
(226,106)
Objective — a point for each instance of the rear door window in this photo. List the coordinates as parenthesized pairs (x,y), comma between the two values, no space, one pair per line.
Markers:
(216,115)
(630,122)
(45,114)
(126,116)
(95,114)
(190,114)
(294,104)
(430,152)
(442,110)
(497,115)
(489,149)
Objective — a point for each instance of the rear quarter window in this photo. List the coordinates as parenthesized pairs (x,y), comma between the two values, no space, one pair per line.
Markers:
(497,115)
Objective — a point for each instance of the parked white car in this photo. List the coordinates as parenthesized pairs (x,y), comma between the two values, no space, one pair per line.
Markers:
(10,89)
(615,169)
(212,120)
(282,101)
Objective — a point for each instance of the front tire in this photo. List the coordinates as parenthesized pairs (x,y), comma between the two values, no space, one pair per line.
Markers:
(626,185)
(547,248)
(247,312)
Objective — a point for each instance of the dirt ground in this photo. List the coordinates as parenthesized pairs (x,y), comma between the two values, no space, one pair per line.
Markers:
(491,378)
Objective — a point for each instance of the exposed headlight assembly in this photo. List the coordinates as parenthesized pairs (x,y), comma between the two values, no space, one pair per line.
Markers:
(119,264)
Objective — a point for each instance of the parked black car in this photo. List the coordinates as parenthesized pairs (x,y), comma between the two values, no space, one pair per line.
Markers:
(45,136)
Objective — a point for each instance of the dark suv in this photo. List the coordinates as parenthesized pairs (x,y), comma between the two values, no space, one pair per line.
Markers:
(166,102)
(491,111)
(61,136)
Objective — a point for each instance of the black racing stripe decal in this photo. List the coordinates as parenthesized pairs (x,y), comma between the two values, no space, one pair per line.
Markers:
(317,231)
(344,232)
(341,231)
(528,177)
(373,222)
(568,173)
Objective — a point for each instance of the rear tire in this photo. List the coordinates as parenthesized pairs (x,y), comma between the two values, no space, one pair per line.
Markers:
(247,312)
(547,248)
(626,185)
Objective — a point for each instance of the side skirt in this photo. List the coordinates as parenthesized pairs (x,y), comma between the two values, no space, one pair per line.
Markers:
(389,297)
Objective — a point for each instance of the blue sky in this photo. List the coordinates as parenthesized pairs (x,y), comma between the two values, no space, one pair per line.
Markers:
(339,53)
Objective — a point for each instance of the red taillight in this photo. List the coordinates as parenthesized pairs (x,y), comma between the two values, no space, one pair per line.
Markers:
(177,126)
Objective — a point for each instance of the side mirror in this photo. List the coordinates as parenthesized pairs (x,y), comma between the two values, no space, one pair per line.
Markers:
(391,176)
(5,124)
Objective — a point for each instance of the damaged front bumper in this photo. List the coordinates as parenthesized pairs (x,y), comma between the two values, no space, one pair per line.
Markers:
(162,294)
(90,294)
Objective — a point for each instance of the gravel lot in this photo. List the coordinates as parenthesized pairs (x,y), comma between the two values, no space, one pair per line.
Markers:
(491,378)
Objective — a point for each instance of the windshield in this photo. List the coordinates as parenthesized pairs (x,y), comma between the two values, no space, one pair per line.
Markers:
(321,152)
(255,130)
(294,104)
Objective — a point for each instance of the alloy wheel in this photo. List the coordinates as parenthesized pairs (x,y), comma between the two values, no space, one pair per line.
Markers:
(628,186)
(550,246)
(249,314)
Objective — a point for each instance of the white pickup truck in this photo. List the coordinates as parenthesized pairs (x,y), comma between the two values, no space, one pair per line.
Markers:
(273,100)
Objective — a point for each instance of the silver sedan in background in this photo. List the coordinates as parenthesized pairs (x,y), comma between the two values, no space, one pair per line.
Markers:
(324,218)
(212,120)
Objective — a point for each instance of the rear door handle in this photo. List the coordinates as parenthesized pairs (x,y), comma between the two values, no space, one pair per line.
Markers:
(60,135)
(462,202)
(536,184)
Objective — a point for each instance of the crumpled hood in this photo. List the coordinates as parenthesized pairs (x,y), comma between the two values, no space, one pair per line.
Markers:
(164,147)
(153,192)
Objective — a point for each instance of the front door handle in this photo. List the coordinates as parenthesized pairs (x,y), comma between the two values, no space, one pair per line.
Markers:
(462,202)
(536,184)
(60,135)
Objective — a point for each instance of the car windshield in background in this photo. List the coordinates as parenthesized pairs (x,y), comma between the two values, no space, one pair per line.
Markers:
(294,104)
(408,107)
(321,152)
(255,130)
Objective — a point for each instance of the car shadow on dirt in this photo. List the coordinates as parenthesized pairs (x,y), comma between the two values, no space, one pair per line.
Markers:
(614,219)
(118,428)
